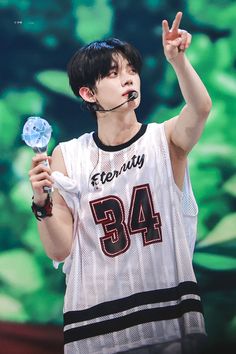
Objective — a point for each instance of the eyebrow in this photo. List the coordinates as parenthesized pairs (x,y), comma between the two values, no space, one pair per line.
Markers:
(114,65)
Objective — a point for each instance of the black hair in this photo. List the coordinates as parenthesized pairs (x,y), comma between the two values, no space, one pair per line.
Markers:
(93,62)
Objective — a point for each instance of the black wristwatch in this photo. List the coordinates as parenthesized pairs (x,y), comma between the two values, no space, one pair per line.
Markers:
(44,211)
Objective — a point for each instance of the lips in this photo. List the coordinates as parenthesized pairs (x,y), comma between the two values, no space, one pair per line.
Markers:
(127,92)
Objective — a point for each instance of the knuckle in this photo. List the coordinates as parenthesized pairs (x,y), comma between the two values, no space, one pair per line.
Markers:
(45,175)
(32,178)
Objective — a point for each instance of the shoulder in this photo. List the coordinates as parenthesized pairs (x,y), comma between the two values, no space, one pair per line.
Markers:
(67,150)
(156,132)
(154,128)
(58,163)
(169,126)
(75,143)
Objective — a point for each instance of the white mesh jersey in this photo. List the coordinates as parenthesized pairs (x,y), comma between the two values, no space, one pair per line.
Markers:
(129,276)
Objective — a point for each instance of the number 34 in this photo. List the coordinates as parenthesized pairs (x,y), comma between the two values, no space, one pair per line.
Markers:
(110,213)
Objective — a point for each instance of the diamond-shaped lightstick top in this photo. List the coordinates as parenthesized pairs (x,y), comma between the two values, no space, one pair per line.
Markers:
(37,133)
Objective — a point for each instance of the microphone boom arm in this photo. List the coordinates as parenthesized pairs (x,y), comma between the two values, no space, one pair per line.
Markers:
(132,96)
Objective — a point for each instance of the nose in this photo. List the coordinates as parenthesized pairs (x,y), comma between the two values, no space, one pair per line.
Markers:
(127,82)
(126,79)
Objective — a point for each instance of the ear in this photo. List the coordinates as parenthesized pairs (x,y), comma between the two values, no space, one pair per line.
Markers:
(87,94)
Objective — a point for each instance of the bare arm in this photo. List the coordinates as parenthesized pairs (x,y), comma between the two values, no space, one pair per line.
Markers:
(55,231)
(185,130)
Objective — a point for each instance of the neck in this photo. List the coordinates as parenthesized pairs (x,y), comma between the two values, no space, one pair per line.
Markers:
(115,129)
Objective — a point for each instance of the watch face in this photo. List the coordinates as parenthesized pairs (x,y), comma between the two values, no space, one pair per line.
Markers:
(37,133)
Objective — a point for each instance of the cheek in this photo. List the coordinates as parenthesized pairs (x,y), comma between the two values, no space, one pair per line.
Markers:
(105,85)
(138,82)
(108,90)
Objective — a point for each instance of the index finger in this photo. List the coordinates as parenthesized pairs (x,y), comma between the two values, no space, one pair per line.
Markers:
(39,158)
(176,22)
(165,27)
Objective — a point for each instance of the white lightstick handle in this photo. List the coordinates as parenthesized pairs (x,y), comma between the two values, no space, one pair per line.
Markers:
(46,189)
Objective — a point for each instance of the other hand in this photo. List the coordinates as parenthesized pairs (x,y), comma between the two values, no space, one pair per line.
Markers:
(40,177)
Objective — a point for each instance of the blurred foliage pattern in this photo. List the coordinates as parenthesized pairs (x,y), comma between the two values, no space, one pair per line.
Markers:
(37,39)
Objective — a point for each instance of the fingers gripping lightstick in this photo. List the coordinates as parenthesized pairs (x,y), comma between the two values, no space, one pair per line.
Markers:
(36,134)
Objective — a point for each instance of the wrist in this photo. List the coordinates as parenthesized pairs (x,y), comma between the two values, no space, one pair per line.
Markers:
(178,60)
(40,201)
(44,210)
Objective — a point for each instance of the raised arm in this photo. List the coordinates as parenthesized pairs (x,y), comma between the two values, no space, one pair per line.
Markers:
(184,130)
(55,231)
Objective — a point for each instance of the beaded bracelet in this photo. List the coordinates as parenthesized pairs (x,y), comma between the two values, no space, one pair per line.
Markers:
(44,211)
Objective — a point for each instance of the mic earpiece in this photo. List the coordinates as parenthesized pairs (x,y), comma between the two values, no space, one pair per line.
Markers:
(91,106)
(94,107)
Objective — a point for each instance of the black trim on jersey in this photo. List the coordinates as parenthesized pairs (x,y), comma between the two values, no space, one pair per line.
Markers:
(104,147)
(133,319)
(126,303)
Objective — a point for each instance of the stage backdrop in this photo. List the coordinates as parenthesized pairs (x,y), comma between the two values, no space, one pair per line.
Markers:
(37,39)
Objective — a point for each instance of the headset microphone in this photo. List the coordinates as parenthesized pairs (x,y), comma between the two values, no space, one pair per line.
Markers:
(132,95)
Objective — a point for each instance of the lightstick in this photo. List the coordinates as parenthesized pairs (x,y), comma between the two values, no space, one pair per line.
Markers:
(36,134)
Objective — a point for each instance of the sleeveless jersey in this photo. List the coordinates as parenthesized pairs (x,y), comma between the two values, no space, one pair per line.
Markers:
(130,280)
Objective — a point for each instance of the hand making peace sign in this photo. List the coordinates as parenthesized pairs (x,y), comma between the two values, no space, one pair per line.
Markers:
(175,41)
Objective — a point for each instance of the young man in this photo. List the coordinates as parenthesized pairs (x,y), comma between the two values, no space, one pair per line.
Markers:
(124,216)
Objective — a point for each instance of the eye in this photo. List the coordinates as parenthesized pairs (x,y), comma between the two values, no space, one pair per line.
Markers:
(112,73)
(133,70)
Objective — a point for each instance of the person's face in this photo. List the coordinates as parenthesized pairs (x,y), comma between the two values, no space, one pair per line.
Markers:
(113,89)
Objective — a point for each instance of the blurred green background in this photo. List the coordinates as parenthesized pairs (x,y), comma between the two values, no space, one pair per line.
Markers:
(37,40)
